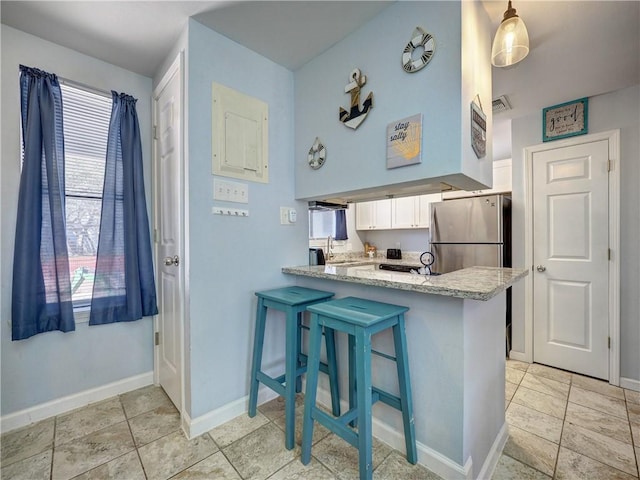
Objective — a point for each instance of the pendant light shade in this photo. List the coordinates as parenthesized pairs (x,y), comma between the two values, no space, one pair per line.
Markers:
(511,43)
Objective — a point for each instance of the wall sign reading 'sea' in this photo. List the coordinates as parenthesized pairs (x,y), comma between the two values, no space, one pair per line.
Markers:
(478,129)
(422,44)
(355,116)
(317,154)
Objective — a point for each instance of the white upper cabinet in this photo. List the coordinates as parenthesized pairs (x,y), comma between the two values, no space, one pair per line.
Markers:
(374,215)
(412,212)
(501,182)
(397,213)
(403,212)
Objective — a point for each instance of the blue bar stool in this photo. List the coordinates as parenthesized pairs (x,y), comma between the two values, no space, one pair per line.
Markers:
(360,319)
(293,301)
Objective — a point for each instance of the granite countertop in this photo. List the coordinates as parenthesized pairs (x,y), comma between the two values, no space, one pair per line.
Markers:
(475,283)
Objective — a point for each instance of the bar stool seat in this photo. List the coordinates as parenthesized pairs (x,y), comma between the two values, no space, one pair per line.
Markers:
(293,301)
(360,319)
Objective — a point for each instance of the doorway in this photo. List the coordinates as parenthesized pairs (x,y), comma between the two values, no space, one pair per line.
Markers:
(572,244)
(168,192)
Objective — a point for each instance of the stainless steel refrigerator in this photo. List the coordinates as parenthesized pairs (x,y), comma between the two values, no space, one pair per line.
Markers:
(474,231)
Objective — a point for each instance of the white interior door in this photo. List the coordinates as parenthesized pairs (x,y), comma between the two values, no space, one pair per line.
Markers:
(168,194)
(571,258)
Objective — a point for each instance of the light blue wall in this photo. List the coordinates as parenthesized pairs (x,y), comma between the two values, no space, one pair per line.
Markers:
(357,159)
(53,365)
(231,258)
(615,110)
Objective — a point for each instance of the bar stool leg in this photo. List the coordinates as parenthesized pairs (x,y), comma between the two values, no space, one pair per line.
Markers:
(313,366)
(352,377)
(404,382)
(363,395)
(330,343)
(291,360)
(298,351)
(256,365)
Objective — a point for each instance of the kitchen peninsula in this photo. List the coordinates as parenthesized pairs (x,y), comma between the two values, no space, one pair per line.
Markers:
(456,340)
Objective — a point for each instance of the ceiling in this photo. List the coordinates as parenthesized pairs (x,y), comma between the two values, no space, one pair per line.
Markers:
(139,35)
(578,48)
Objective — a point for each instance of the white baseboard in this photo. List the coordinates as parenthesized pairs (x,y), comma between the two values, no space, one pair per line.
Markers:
(513,355)
(494,454)
(630,384)
(199,425)
(429,458)
(65,404)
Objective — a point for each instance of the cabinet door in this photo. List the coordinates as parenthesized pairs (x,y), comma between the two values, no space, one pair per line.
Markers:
(382,215)
(501,176)
(423,217)
(364,215)
(403,212)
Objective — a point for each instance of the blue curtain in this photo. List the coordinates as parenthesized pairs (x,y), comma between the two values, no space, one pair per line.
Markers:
(41,295)
(341,225)
(124,287)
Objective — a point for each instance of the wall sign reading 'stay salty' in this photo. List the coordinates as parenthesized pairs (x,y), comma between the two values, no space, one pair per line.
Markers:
(404,141)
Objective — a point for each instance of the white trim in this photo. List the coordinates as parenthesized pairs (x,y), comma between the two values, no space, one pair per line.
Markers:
(58,406)
(428,457)
(176,68)
(614,265)
(521,356)
(613,137)
(630,384)
(199,425)
(493,457)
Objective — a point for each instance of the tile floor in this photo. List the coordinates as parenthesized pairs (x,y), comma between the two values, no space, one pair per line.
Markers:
(561,425)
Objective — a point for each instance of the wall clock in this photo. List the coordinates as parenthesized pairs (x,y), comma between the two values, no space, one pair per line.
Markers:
(422,45)
(317,154)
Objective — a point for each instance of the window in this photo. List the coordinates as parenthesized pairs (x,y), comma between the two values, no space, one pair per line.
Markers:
(86,117)
(322,223)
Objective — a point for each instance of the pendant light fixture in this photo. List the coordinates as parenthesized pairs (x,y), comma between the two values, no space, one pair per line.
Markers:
(511,43)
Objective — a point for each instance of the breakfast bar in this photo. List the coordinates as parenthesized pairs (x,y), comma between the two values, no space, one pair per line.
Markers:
(455,330)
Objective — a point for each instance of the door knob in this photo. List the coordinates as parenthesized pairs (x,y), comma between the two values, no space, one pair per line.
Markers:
(175,260)
(540,268)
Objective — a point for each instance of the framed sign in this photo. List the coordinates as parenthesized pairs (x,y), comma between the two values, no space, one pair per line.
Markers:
(478,130)
(565,120)
(404,141)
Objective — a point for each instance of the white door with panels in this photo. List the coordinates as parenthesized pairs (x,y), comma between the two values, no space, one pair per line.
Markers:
(168,233)
(571,258)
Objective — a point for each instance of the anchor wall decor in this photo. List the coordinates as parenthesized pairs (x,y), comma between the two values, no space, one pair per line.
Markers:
(355,116)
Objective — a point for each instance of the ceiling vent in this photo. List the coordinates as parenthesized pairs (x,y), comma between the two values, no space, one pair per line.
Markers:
(500,104)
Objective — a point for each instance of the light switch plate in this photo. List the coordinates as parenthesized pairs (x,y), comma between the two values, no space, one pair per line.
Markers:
(229,191)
